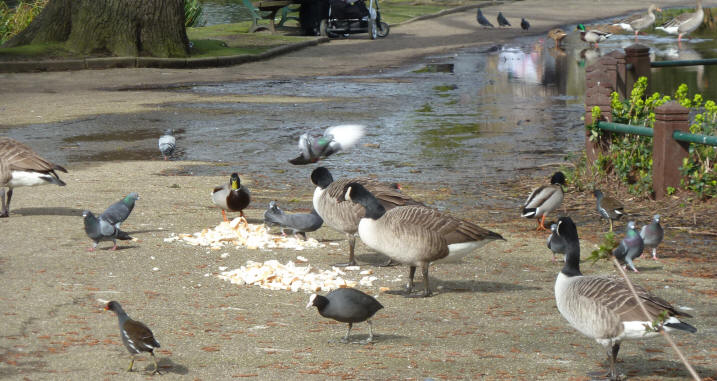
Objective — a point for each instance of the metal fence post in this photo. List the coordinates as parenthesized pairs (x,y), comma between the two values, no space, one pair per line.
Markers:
(668,153)
(637,57)
(598,87)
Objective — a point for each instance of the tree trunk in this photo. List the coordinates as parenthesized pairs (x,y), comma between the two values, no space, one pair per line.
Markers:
(118,27)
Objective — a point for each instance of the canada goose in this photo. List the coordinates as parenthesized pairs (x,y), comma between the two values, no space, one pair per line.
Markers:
(482,20)
(603,308)
(608,207)
(167,143)
(347,305)
(593,35)
(136,336)
(638,22)
(344,216)
(231,196)
(544,200)
(20,166)
(298,223)
(630,247)
(652,235)
(414,235)
(685,23)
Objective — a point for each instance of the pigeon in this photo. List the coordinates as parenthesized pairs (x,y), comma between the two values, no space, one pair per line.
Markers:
(556,242)
(608,207)
(167,143)
(630,247)
(347,305)
(136,336)
(120,210)
(20,166)
(98,229)
(482,20)
(335,139)
(502,20)
(524,24)
(652,235)
(298,223)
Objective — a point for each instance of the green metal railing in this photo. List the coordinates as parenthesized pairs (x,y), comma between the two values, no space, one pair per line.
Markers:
(708,61)
(646,131)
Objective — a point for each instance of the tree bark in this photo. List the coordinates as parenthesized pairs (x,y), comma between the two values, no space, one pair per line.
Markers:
(117,27)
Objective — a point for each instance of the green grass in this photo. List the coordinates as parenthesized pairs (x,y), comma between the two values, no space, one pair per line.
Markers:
(396,11)
(218,48)
(48,50)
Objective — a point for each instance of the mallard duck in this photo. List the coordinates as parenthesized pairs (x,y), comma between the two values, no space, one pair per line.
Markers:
(593,35)
(544,200)
(231,196)
(557,35)
(685,23)
(638,22)
(608,207)
(20,166)
(414,235)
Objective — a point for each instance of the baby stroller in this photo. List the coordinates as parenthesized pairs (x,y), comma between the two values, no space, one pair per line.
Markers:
(346,17)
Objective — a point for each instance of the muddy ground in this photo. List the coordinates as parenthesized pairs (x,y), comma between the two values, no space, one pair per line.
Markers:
(494,315)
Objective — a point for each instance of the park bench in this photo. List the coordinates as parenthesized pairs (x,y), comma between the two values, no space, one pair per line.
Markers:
(267,10)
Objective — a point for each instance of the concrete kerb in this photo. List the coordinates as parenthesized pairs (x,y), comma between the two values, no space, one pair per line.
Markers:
(151,62)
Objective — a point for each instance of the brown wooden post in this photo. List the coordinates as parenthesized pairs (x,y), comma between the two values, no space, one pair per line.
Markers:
(638,57)
(598,87)
(668,153)
(621,79)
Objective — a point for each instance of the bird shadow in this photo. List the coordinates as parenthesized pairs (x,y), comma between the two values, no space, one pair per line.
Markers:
(61,211)
(166,365)
(444,286)
(377,339)
(143,231)
(373,259)
(636,366)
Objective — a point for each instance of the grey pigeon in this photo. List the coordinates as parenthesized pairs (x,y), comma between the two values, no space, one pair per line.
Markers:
(482,20)
(167,143)
(652,235)
(524,24)
(334,139)
(298,223)
(502,21)
(100,230)
(347,305)
(556,242)
(120,210)
(630,247)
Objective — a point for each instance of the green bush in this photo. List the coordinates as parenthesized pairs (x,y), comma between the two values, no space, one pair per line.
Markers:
(629,157)
(13,20)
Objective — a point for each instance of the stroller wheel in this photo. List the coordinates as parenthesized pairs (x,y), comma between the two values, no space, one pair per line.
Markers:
(372,29)
(322,28)
(383,29)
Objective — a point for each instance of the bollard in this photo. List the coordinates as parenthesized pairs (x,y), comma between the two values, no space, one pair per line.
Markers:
(668,153)
(621,79)
(637,57)
(598,87)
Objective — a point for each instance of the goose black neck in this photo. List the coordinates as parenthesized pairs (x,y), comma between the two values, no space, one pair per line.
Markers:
(361,196)
(321,177)
(572,259)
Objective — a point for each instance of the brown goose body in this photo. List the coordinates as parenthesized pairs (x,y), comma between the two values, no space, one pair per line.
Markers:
(21,166)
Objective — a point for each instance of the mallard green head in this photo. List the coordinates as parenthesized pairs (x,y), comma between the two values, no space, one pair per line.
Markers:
(580,27)
(234,181)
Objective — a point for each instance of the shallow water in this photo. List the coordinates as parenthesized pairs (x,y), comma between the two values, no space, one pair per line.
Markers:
(453,120)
